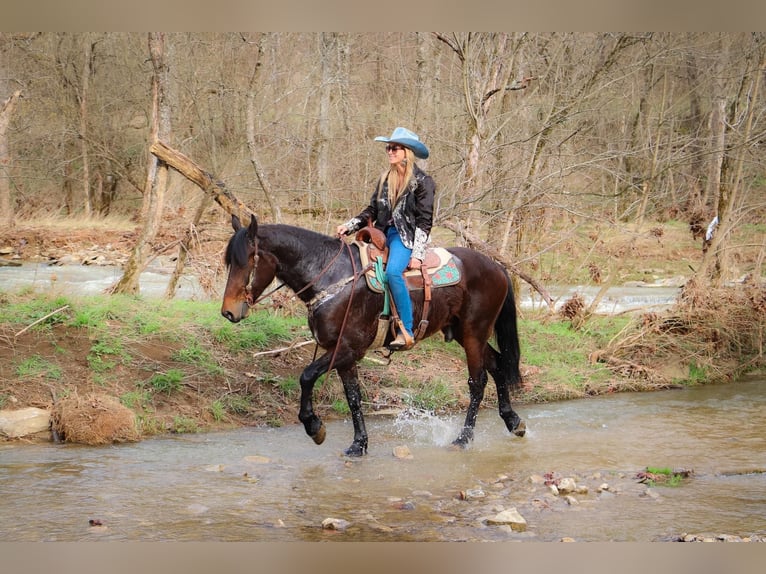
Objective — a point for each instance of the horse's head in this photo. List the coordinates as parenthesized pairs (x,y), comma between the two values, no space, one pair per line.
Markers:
(242,261)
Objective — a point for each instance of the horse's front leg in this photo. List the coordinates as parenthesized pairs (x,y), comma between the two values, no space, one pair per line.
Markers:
(311,422)
(350,379)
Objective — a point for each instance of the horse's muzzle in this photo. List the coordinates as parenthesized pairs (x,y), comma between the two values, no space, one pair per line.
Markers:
(235,315)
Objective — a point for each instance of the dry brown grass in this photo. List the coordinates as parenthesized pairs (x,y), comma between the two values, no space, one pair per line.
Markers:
(711,333)
(94,420)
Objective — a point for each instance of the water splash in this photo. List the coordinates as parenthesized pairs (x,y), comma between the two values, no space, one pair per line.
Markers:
(424,427)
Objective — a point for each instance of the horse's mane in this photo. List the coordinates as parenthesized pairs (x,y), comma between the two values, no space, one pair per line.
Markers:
(237,249)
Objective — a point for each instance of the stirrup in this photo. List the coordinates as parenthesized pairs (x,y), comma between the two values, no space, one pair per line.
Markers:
(403,342)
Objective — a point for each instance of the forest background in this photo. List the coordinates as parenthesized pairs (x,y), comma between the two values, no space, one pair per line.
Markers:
(564,155)
(528,132)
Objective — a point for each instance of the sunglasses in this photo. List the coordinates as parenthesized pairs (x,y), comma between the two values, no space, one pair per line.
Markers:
(390,147)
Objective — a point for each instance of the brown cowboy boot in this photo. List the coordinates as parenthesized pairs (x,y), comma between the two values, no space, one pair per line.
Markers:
(403,342)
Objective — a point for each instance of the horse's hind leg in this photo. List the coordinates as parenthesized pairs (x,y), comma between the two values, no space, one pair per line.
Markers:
(354,397)
(512,420)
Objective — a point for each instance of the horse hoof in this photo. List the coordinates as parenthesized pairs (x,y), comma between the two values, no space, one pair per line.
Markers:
(320,435)
(355,450)
(521,429)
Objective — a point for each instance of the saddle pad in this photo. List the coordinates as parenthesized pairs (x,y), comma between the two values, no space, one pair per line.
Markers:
(444,273)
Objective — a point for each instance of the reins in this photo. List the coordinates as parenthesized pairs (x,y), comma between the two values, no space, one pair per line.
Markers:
(252,303)
(354,278)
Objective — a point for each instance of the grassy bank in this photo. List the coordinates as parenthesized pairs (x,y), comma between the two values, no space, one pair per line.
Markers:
(180,367)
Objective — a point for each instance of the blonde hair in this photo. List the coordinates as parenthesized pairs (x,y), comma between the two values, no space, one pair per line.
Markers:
(391,175)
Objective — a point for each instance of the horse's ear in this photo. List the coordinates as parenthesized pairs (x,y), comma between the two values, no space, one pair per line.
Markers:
(252,229)
(236,223)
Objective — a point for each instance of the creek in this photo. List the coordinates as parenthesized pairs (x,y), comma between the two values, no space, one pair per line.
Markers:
(95,279)
(274,484)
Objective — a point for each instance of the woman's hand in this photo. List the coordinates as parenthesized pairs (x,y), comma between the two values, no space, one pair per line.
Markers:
(341,230)
(415,263)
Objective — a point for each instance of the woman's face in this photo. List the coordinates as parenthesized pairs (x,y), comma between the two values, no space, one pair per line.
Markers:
(395,153)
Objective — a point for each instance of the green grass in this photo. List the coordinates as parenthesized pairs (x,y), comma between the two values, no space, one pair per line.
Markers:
(28,307)
(260,330)
(341,407)
(218,410)
(195,354)
(697,374)
(671,478)
(168,383)
(237,404)
(138,400)
(106,353)
(38,367)
(290,386)
(562,352)
(432,396)
(183,425)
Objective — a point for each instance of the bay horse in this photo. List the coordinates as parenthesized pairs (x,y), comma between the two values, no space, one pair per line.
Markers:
(343,315)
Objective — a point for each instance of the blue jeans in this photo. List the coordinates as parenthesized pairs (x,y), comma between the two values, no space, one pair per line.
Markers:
(398,260)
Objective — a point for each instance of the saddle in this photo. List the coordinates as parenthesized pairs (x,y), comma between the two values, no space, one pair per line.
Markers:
(438,270)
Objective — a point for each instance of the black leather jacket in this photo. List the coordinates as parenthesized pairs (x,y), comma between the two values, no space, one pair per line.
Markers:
(412,215)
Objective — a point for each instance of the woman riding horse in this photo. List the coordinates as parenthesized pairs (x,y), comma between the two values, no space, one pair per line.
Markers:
(324,272)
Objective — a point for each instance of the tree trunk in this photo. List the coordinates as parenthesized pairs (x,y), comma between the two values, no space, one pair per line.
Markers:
(155,191)
(184,248)
(717,143)
(650,185)
(83,96)
(328,43)
(6,205)
(268,193)
(714,266)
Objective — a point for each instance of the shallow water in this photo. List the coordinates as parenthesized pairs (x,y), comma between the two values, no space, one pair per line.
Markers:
(95,279)
(92,280)
(259,484)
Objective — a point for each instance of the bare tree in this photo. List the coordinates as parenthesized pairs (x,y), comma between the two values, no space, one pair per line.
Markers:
(157,178)
(83,96)
(6,205)
(252,145)
(743,107)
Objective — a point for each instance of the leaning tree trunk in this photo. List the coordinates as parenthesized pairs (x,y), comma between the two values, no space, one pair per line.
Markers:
(155,190)
(6,206)
(204,180)
(184,248)
(480,245)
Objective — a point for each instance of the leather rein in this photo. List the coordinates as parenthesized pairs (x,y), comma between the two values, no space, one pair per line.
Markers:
(354,278)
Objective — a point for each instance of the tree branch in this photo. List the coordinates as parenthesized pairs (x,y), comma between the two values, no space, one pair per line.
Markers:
(484,247)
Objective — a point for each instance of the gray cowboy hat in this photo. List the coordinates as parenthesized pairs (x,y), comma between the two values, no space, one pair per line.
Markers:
(408,139)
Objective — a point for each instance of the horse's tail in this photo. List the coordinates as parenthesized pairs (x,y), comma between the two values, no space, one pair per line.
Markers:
(507,337)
